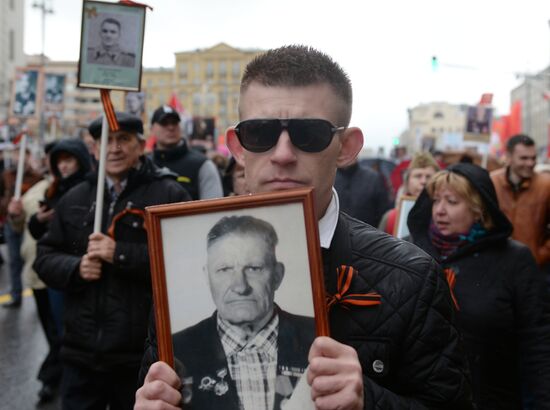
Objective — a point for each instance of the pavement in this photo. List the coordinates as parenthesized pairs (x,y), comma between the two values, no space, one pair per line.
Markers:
(23,346)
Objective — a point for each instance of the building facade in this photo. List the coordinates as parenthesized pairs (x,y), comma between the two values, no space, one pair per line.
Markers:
(11,48)
(435,125)
(205,81)
(534,93)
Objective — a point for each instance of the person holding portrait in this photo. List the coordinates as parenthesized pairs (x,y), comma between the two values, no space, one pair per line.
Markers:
(105,275)
(393,343)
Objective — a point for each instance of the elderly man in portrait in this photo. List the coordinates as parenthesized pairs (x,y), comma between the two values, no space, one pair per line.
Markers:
(249,353)
(109,51)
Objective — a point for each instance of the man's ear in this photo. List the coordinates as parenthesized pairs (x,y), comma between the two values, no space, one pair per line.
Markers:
(234,145)
(351,143)
(278,275)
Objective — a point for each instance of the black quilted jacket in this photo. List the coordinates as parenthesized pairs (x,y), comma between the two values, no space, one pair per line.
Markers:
(105,321)
(408,345)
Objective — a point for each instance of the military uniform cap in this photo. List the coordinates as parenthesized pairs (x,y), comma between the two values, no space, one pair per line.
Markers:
(127,122)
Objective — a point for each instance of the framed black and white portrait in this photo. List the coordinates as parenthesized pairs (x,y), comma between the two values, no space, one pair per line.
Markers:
(25,98)
(111,45)
(238,290)
(54,90)
(134,103)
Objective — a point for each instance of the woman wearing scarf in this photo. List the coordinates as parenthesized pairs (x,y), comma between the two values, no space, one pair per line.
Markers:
(500,296)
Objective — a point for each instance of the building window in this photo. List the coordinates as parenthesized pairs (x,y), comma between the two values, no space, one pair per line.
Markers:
(183,70)
(209,69)
(236,69)
(11,40)
(438,115)
(223,69)
(12,4)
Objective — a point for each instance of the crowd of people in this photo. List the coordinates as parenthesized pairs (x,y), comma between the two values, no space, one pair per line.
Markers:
(461,318)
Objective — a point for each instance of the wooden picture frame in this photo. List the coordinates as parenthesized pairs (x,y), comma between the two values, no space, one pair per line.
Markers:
(406,202)
(186,279)
(111,45)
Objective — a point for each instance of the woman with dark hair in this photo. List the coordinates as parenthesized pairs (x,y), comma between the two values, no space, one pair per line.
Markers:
(500,296)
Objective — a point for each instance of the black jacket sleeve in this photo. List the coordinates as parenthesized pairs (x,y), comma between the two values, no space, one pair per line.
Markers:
(55,265)
(533,326)
(37,228)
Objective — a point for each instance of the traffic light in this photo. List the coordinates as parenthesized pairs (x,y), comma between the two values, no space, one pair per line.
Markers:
(395,141)
(435,63)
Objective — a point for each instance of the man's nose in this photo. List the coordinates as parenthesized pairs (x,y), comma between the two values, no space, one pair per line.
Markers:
(284,151)
(240,284)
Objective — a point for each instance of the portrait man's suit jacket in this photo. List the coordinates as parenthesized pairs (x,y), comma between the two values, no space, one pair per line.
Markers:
(207,383)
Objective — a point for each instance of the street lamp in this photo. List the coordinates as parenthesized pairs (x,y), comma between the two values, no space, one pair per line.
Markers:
(44,10)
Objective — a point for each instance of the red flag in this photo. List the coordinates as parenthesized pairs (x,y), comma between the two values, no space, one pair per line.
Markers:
(515,118)
(486,99)
(175,103)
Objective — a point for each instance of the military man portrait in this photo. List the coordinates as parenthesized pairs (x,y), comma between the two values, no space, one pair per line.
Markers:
(110,51)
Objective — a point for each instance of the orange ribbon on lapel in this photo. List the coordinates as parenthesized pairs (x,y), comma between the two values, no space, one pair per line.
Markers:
(138,212)
(451,280)
(342,297)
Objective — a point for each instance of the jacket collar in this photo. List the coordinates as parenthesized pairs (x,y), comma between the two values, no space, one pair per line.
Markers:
(171,154)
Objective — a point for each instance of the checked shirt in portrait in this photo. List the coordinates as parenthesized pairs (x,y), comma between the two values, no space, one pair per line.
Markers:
(252,363)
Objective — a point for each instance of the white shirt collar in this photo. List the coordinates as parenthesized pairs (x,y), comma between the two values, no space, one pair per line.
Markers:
(327,224)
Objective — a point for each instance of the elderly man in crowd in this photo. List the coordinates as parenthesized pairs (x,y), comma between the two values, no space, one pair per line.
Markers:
(105,275)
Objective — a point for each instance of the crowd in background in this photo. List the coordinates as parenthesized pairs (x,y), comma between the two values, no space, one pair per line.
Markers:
(489,232)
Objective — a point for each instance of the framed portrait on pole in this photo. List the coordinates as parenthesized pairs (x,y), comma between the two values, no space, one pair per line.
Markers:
(111,46)
(233,277)
(26,93)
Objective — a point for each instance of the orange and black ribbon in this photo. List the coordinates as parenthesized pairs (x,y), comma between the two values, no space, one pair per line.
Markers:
(451,280)
(138,212)
(109,110)
(345,299)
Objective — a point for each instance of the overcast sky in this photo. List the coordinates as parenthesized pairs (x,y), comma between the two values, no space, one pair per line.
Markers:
(385,46)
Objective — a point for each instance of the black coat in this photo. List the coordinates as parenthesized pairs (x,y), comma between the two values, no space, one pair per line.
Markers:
(362,193)
(105,321)
(500,294)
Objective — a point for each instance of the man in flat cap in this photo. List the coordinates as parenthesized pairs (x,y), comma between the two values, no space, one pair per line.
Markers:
(196,173)
(106,275)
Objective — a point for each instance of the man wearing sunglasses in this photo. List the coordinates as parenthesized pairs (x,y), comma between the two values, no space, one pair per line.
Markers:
(402,352)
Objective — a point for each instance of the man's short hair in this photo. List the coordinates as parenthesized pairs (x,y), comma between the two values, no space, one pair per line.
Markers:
(244,225)
(522,139)
(111,21)
(300,66)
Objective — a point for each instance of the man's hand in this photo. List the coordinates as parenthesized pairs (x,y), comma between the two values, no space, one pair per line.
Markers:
(102,247)
(90,268)
(44,214)
(15,207)
(335,375)
(160,391)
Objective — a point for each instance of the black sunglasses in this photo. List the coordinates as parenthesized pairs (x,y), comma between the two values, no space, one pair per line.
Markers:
(307,134)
